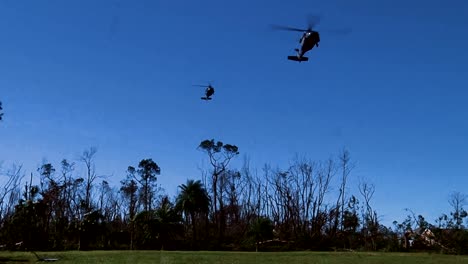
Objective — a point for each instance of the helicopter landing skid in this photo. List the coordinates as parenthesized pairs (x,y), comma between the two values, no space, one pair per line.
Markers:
(205,98)
(295,58)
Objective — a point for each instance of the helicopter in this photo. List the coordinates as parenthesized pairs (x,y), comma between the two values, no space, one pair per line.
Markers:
(309,39)
(208,92)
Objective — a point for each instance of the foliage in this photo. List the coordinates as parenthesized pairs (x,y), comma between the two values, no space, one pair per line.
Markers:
(260,230)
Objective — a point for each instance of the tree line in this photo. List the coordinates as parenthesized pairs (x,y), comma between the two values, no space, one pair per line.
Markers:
(306,206)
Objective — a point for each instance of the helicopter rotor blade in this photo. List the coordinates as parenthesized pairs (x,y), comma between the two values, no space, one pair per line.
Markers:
(200,85)
(278,27)
(343,31)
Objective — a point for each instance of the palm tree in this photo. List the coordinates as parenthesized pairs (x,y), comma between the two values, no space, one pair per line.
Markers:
(193,200)
(168,221)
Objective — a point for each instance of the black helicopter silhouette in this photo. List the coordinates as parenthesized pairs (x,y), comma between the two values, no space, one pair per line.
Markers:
(208,92)
(310,38)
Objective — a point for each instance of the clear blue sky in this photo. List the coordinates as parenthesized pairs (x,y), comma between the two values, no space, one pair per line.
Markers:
(117,75)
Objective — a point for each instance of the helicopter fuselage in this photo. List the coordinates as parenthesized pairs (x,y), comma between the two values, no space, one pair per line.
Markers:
(208,93)
(308,41)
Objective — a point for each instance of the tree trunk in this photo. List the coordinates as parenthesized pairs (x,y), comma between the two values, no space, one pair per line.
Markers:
(194,228)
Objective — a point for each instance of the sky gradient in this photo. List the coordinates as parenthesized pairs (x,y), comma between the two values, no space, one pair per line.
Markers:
(118,75)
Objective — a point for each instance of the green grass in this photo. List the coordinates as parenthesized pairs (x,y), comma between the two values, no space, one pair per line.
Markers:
(137,257)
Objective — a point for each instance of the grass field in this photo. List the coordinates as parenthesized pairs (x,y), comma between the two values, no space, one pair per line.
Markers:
(136,257)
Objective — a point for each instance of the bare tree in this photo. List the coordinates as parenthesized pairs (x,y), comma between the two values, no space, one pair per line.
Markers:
(104,197)
(457,200)
(50,191)
(69,200)
(252,194)
(129,189)
(371,225)
(88,159)
(246,189)
(220,155)
(340,203)
(303,188)
(325,174)
(367,191)
(232,188)
(10,191)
